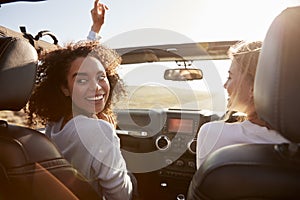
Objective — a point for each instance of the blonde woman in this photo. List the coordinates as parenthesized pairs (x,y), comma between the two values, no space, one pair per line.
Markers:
(240,84)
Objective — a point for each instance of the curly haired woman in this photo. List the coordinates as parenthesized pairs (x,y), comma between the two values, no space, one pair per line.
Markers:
(73,98)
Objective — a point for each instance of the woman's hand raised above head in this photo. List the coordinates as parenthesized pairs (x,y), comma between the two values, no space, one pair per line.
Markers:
(98,15)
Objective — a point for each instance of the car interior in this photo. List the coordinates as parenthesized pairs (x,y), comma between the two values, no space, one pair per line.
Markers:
(263,171)
(159,145)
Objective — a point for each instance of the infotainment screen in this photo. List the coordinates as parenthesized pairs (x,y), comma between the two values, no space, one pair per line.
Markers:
(180,125)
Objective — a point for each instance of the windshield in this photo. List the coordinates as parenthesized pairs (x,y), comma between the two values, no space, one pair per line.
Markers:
(147,88)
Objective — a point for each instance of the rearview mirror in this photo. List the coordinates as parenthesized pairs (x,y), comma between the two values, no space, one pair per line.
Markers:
(183,74)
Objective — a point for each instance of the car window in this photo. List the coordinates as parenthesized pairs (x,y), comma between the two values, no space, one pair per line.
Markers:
(147,88)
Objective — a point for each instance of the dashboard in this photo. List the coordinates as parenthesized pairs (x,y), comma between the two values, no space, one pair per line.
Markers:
(159,147)
(179,125)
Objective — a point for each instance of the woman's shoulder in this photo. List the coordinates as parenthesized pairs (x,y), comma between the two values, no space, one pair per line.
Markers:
(89,126)
(213,124)
(219,126)
(87,122)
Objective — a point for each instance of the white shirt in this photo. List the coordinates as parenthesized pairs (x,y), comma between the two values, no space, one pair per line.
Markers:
(214,135)
(93,35)
(93,148)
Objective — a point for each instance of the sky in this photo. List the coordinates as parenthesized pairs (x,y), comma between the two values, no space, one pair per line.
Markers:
(135,22)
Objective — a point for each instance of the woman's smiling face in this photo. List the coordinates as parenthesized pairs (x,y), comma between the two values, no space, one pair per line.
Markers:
(88,86)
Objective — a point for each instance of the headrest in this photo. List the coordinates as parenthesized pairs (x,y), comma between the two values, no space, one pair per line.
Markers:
(18,60)
(277,82)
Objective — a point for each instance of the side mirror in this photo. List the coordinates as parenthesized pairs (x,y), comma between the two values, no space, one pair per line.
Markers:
(183,74)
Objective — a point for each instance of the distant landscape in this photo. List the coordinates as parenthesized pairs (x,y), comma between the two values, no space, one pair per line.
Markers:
(142,97)
(162,97)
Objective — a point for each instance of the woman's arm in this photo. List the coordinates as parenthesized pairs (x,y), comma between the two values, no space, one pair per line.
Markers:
(98,17)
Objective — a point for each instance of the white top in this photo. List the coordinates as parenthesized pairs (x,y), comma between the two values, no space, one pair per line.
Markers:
(93,148)
(214,135)
(93,35)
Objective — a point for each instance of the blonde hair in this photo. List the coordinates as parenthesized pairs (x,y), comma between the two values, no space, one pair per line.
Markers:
(246,55)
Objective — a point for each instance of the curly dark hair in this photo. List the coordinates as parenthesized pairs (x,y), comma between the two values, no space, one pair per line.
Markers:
(48,103)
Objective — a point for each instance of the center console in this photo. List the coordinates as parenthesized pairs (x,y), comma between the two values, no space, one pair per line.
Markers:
(165,140)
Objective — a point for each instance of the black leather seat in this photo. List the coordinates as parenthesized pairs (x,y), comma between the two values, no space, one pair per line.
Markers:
(264,171)
(30,165)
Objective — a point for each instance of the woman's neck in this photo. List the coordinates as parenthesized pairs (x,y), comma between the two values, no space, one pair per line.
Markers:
(253,117)
(78,111)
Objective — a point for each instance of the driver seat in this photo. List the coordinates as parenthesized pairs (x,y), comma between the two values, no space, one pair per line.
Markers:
(263,171)
(31,167)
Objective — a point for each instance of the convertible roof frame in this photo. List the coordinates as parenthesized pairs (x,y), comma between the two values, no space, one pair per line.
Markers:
(176,52)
